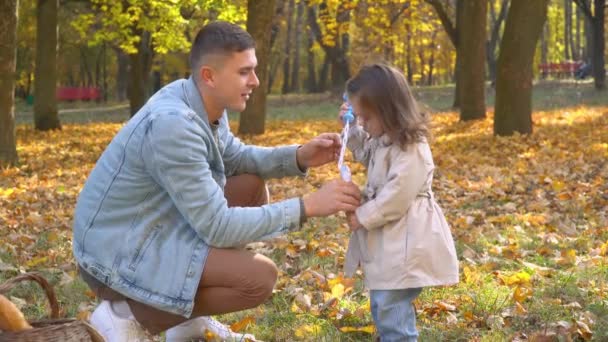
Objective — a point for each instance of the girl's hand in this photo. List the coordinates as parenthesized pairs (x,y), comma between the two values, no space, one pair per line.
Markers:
(353,221)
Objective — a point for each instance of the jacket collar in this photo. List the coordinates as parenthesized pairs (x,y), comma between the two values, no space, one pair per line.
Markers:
(194,98)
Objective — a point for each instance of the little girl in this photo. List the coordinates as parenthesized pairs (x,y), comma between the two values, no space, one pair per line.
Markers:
(400,236)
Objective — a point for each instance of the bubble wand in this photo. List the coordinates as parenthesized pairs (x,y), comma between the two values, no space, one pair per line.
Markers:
(347,118)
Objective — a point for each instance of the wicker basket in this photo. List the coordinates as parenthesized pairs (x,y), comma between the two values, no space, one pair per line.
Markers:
(51,330)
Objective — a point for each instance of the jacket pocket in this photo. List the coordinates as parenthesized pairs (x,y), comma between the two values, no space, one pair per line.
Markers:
(149,236)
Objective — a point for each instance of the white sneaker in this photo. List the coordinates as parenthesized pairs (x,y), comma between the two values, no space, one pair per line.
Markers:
(115,328)
(203,327)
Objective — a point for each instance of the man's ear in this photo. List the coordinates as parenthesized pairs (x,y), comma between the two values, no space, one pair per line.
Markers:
(207,75)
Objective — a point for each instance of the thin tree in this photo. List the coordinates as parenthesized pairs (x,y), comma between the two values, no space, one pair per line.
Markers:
(496,21)
(513,109)
(598,44)
(287,50)
(295,67)
(335,53)
(472,38)
(8,46)
(451,27)
(259,23)
(46,116)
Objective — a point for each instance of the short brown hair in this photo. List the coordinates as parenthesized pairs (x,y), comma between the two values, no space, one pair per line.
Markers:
(384,90)
(218,37)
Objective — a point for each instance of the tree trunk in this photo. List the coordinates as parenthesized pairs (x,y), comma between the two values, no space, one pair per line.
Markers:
(104,71)
(275,61)
(571,32)
(429,79)
(577,36)
(84,66)
(408,51)
(341,65)
(567,30)
(599,45)
(287,51)
(139,73)
(98,66)
(457,46)
(595,38)
(8,48)
(259,23)
(295,68)
(513,112)
(122,74)
(588,39)
(472,57)
(544,49)
(46,116)
(324,74)
(422,59)
(496,23)
(335,56)
(311,81)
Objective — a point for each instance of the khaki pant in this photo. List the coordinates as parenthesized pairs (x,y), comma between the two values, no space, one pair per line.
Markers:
(233,279)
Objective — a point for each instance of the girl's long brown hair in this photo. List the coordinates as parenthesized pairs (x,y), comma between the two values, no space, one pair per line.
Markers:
(384,90)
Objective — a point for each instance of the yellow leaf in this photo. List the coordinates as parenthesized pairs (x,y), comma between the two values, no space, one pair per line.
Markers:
(210,336)
(469,316)
(36,261)
(520,294)
(52,237)
(445,306)
(6,192)
(558,185)
(370,329)
(470,276)
(83,315)
(520,278)
(520,309)
(337,291)
(568,257)
(242,324)
(604,249)
(292,251)
(307,331)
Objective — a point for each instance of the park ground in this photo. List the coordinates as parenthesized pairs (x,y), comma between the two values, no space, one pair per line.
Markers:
(529,215)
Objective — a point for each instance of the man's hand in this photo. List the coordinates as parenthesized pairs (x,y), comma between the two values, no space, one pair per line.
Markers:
(334,196)
(353,221)
(319,151)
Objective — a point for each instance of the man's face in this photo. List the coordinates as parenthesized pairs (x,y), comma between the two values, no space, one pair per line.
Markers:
(236,79)
(369,119)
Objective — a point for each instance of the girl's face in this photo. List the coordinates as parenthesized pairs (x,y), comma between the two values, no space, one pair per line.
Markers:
(370,120)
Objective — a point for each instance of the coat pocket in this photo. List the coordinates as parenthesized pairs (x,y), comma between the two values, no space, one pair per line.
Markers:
(140,250)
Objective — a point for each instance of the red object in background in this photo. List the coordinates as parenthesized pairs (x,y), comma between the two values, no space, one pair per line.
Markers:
(562,69)
(78,93)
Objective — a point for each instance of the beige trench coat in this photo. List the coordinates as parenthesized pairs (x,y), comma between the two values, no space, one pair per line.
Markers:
(406,241)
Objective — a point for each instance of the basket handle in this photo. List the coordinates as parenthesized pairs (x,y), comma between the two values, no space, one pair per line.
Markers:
(38,278)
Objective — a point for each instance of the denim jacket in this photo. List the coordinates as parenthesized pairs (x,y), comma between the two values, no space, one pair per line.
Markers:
(154,202)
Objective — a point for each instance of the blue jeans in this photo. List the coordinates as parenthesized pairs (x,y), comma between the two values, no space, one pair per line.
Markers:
(394,314)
